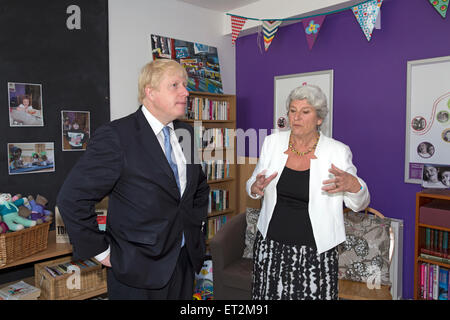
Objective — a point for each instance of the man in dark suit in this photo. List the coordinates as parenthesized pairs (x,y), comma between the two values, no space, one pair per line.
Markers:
(158,195)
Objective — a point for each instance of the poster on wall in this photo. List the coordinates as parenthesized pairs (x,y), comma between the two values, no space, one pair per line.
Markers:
(427,116)
(75,130)
(25,105)
(200,61)
(283,85)
(32,157)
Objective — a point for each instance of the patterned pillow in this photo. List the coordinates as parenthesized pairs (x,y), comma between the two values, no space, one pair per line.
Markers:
(252,216)
(364,256)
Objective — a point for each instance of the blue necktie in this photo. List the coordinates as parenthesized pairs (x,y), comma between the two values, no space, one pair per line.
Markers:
(173,165)
(168,149)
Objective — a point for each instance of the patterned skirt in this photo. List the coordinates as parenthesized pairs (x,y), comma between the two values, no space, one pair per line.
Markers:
(285,272)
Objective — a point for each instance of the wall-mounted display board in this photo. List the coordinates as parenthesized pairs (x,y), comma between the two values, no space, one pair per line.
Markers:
(427,116)
(54,59)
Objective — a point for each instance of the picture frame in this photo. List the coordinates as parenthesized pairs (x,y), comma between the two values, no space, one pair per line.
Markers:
(25,105)
(31,157)
(427,136)
(284,84)
(75,130)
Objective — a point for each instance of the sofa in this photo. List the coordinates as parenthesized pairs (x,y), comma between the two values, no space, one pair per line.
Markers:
(232,273)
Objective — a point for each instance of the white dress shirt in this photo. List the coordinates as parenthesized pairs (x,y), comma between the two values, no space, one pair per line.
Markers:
(177,156)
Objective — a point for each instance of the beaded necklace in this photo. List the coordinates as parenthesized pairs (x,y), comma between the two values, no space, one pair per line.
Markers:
(302,153)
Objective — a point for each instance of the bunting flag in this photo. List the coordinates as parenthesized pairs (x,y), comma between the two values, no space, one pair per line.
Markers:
(312,27)
(269,30)
(236,26)
(441,6)
(366,14)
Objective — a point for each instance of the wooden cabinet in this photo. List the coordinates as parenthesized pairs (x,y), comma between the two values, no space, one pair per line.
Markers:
(431,241)
(213,117)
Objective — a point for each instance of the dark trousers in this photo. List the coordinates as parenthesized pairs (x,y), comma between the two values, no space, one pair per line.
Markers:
(179,287)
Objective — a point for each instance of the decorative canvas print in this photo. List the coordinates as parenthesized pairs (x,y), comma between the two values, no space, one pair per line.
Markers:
(200,61)
(25,105)
(31,157)
(75,130)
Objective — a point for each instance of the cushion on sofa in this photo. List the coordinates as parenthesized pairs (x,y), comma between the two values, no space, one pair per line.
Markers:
(252,215)
(364,256)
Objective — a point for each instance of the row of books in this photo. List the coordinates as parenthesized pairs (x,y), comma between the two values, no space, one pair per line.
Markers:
(214,225)
(433,282)
(214,138)
(436,245)
(61,269)
(218,200)
(216,169)
(206,109)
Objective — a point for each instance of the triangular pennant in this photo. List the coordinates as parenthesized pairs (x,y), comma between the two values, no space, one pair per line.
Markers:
(441,6)
(312,27)
(236,26)
(269,30)
(366,14)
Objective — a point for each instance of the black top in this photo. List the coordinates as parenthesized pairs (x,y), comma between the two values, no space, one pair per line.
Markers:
(290,223)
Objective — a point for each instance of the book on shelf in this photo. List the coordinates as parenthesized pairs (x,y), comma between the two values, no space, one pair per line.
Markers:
(61,269)
(101,218)
(214,225)
(213,138)
(433,282)
(218,200)
(436,245)
(199,108)
(19,291)
(216,169)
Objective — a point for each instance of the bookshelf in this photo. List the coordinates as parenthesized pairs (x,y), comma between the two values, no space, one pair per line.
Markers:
(53,250)
(213,117)
(431,253)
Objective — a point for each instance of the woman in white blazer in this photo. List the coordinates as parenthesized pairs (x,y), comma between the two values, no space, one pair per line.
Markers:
(304,178)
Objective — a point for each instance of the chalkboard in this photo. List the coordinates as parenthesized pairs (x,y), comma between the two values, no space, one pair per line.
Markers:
(63,47)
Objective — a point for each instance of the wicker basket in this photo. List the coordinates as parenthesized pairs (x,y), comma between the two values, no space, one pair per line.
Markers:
(56,288)
(20,244)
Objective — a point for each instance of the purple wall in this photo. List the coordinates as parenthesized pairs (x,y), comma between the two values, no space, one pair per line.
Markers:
(369,93)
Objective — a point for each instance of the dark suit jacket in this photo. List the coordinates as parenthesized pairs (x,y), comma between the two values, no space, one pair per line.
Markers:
(146,216)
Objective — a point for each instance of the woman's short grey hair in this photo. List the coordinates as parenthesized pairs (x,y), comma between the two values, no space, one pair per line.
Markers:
(315,97)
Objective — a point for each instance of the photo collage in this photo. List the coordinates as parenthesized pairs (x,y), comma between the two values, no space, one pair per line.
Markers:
(26,109)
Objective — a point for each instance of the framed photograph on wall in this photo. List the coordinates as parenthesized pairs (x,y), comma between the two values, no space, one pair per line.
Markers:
(25,105)
(283,85)
(75,128)
(427,138)
(34,157)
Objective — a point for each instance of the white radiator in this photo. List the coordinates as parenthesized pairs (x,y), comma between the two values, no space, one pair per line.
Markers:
(396,268)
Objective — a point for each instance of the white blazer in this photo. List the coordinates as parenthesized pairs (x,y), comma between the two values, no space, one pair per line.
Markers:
(325,210)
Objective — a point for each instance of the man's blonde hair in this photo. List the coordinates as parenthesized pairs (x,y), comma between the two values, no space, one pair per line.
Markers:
(152,73)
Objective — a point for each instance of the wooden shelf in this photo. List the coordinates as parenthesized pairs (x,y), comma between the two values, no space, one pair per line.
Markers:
(220,180)
(220,213)
(229,183)
(207,121)
(422,225)
(422,198)
(53,250)
(359,291)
